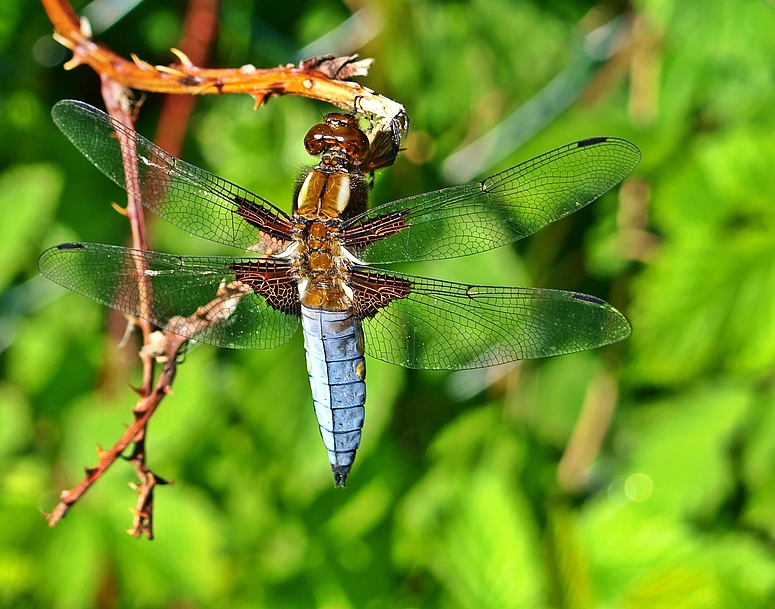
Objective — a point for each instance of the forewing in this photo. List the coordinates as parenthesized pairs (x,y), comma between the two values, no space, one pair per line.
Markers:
(228,302)
(425,323)
(503,208)
(184,195)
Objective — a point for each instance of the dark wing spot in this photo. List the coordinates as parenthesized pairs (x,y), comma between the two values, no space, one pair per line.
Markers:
(591,140)
(588,298)
(70,246)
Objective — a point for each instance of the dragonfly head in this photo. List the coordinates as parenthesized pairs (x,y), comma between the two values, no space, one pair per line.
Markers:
(340,141)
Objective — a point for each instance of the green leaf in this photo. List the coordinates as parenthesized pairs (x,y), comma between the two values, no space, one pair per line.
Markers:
(705,305)
(682,445)
(468,524)
(28,195)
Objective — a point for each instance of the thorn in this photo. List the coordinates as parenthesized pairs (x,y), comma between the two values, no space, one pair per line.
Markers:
(100,451)
(170,71)
(86,28)
(121,210)
(89,471)
(260,100)
(133,485)
(184,59)
(74,62)
(143,65)
(137,390)
(65,42)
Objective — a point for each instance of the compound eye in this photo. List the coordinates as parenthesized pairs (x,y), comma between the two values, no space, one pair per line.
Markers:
(318,139)
(352,140)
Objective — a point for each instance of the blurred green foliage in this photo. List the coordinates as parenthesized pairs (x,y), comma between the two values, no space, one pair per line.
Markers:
(483,490)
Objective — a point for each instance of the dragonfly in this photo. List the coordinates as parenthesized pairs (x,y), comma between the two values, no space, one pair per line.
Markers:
(325,265)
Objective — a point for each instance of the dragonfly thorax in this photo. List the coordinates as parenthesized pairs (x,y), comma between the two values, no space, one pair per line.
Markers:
(321,265)
(330,195)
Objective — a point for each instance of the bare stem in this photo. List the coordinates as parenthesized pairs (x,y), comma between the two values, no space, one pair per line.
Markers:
(119,106)
(142,413)
(321,78)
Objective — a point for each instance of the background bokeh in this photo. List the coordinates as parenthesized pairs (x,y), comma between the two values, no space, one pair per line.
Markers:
(637,475)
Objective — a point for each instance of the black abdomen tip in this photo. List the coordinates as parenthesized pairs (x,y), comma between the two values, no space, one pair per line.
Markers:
(340,475)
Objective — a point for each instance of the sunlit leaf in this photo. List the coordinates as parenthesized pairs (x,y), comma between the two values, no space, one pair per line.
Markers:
(28,194)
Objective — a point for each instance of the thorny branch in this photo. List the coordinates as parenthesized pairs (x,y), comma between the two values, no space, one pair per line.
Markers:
(143,411)
(322,78)
(156,345)
(164,347)
(118,103)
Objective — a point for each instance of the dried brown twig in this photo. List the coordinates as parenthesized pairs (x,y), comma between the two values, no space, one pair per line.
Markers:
(318,78)
(321,78)
(156,345)
(142,524)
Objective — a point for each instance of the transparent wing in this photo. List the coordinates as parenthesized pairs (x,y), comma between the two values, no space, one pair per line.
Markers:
(184,195)
(430,324)
(503,208)
(216,300)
